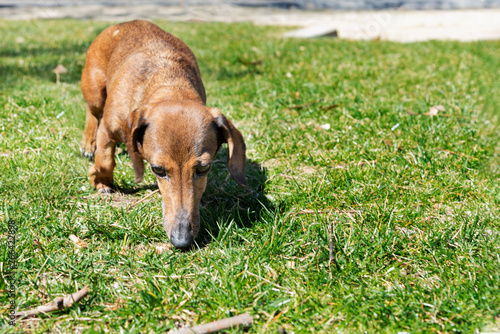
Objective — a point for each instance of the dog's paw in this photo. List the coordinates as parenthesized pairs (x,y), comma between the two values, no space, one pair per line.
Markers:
(104,190)
(86,154)
(87,149)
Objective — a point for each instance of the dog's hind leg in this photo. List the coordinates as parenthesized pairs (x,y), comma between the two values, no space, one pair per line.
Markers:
(94,92)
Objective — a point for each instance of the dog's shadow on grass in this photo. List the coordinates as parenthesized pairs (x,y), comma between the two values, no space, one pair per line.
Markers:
(224,200)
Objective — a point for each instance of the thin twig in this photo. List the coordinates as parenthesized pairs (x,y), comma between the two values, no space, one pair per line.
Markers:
(359,164)
(332,106)
(244,319)
(59,303)
(287,176)
(412,113)
(460,154)
(26,151)
(267,281)
(31,150)
(330,238)
(456,116)
(300,106)
(362,163)
(310,212)
(142,199)
(251,62)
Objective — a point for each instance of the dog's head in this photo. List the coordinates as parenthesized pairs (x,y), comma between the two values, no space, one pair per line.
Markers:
(180,140)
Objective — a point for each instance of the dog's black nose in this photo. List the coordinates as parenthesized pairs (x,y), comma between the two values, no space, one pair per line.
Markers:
(181,241)
(181,235)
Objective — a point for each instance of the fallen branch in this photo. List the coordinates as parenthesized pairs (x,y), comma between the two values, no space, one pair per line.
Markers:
(142,199)
(59,303)
(244,319)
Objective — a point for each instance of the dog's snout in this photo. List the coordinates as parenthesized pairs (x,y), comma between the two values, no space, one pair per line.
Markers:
(181,234)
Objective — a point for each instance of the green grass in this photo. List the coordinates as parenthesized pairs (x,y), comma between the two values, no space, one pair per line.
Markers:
(418,253)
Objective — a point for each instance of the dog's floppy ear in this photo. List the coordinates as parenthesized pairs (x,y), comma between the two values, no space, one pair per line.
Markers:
(134,130)
(236,147)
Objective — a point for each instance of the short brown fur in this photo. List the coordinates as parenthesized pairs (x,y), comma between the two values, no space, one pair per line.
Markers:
(142,86)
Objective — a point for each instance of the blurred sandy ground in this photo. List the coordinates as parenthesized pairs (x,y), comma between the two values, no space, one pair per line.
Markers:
(393,25)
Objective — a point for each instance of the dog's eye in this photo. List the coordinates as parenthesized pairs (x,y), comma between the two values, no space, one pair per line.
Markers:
(202,169)
(158,170)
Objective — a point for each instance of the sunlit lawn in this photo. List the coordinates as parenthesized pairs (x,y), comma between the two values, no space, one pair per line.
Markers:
(338,134)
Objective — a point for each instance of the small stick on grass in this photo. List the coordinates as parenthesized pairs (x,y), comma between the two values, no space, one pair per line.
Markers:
(359,164)
(310,212)
(59,303)
(287,176)
(31,150)
(412,113)
(244,319)
(332,106)
(330,238)
(142,199)
(460,154)
(300,106)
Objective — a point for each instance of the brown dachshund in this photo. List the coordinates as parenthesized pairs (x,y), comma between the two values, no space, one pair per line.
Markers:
(143,87)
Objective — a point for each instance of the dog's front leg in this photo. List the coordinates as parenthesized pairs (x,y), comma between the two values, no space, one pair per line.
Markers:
(101,173)
(88,142)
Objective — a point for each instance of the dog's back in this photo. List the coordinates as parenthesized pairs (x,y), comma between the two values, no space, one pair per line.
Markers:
(150,56)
